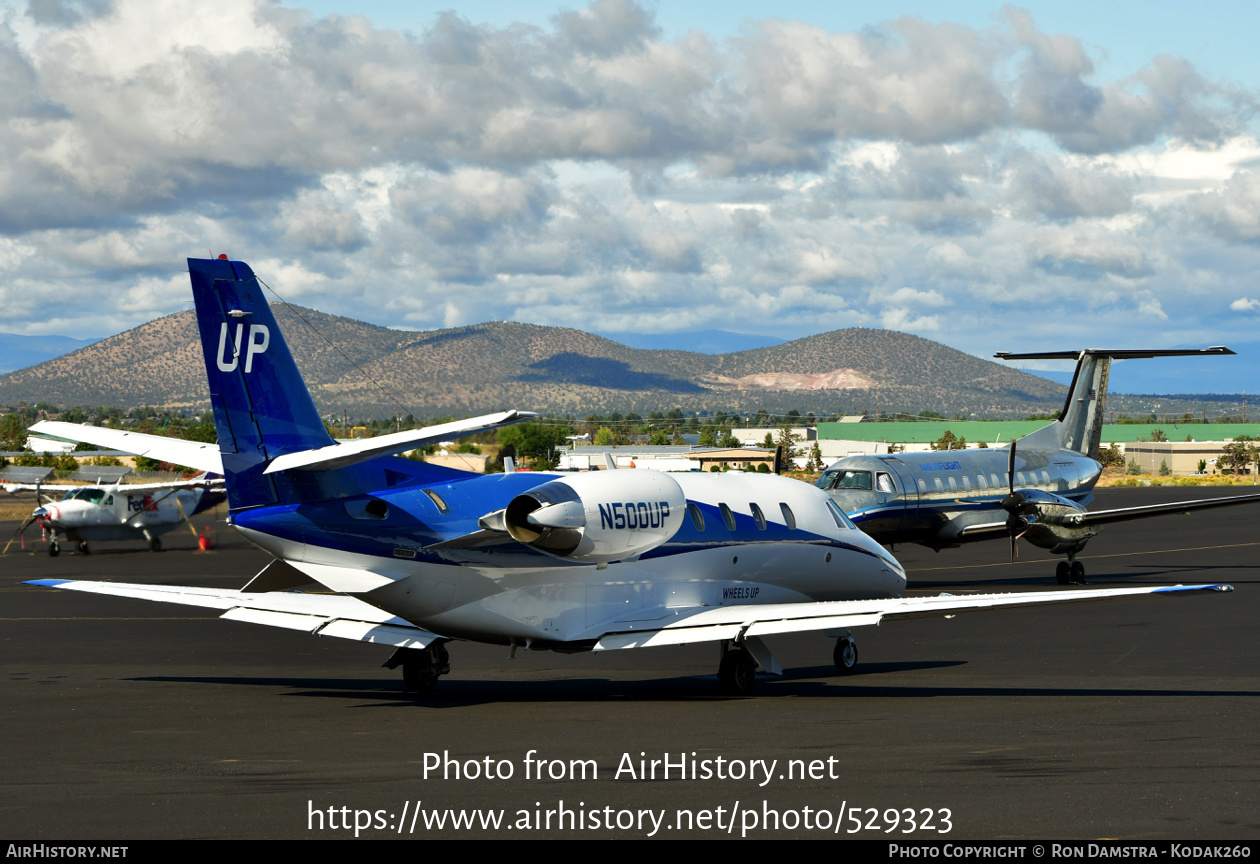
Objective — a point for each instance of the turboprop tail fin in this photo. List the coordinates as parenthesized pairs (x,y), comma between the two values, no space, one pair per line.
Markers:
(1079,427)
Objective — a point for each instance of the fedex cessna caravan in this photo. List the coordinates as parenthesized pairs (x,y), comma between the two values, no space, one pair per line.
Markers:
(1035,489)
(130,511)
(419,555)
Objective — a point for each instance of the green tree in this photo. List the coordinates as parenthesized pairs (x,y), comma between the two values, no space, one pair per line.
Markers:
(1112,457)
(949,441)
(1238,454)
(1163,468)
(12,432)
(788,441)
(815,462)
(535,441)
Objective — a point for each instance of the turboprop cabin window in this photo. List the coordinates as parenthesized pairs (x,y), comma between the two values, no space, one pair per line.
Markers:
(884,483)
(727,516)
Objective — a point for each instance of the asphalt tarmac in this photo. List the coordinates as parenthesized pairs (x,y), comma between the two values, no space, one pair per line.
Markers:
(1132,719)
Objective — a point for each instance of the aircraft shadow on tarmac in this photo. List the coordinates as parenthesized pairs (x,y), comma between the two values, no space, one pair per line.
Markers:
(1132,574)
(806,681)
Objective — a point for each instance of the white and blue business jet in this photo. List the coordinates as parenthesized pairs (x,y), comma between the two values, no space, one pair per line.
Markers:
(418,555)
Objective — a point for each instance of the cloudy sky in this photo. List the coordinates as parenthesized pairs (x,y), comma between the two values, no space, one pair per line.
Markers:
(994,177)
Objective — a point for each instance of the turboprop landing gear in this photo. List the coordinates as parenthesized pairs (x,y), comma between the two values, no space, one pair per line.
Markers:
(737,673)
(1070,571)
(421,666)
(155,545)
(83,547)
(845,655)
(54,549)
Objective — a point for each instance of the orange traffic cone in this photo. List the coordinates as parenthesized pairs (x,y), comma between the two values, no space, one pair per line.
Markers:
(203,541)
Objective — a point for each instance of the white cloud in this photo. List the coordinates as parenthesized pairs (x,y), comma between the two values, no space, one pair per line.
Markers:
(597,174)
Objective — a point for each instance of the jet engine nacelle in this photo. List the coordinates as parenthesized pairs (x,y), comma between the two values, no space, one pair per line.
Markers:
(598,517)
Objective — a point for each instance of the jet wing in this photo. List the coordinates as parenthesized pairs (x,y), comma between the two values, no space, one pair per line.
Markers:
(194,454)
(708,624)
(340,455)
(321,614)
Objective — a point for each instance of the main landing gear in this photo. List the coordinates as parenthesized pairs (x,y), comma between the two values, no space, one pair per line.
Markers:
(845,655)
(421,666)
(737,673)
(1070,571)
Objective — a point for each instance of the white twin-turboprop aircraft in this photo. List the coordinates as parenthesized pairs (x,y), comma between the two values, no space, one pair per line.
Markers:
(418,555)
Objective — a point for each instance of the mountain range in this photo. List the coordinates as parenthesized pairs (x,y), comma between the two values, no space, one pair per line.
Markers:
(371,371)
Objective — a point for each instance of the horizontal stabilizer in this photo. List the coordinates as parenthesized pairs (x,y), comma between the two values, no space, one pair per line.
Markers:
(193,454)
(1118,354)
(341,455)
(707,624)
(321,614)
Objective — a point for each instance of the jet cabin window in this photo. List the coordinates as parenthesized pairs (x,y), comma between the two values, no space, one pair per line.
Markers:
(789,518)
(697,518)
(842,521)
(758,517)
(884,483)
(842,478)
(727,516)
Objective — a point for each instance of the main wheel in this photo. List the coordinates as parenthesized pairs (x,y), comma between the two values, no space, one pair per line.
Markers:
(423,667)
(1078,572)
(845,655)
(53,549)
(419,675)
(155,545)
(83,547)
(1063,573)
(737,673)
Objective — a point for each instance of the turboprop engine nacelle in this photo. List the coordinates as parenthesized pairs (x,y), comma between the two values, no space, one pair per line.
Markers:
(598,517)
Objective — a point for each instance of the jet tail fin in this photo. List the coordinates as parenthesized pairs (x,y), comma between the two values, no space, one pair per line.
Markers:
(1079,427)
(262,408)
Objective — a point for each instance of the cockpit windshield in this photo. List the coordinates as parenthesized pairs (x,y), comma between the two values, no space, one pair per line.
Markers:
(844,478)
